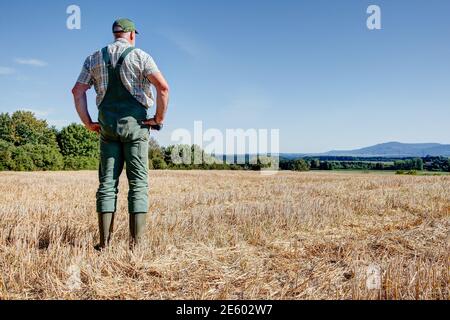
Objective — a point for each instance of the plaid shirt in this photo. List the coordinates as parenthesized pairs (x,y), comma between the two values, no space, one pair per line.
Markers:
(135,69)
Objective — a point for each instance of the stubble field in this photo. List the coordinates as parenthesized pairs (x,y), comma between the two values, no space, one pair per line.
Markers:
(229,235)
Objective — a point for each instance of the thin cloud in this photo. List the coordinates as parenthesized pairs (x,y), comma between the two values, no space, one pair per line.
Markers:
(5,71)
(185,43)
(31,62)
(40,113)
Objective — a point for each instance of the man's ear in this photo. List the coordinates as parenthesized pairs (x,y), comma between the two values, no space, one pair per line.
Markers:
(132,35)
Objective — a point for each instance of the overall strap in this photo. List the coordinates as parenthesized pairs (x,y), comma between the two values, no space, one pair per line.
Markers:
(106,57)
(122,57)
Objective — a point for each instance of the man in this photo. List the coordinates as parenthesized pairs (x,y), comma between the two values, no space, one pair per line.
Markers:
(122,76)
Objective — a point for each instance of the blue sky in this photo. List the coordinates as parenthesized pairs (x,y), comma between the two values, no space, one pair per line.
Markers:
(309,68)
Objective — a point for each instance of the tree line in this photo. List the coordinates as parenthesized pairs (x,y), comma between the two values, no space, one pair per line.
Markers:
(30,144)
(437,164)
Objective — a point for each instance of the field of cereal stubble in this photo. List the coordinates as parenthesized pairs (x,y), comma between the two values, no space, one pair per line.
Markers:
(229,235)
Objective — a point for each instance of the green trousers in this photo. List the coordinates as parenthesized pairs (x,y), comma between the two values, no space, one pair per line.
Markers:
(114,154)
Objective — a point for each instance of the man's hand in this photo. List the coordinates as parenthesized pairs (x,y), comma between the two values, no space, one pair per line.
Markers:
(93,126)
(150,122)
(153,124)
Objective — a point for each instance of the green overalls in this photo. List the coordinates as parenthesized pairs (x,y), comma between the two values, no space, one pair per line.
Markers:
(123,139)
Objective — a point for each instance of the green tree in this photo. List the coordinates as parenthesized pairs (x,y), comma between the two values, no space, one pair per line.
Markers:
(158,164)
(379,166)
(418,164)
(21,160)
(327,165)
(300,165)
(154,150)
(6,129)
(36,157)
(6,160)
(315,164)
(76,141)
(27,143)
(80,163)
(399,165)
(27,129)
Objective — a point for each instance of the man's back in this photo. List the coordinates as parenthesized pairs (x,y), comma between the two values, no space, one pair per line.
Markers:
(136,69)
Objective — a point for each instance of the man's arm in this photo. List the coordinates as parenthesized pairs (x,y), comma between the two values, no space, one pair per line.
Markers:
(79,95)
(162,97)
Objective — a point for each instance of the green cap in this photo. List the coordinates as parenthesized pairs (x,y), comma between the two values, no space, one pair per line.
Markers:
(123,25)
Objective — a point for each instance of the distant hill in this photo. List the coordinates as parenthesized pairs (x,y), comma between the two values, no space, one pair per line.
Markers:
(386,150)
(397,149)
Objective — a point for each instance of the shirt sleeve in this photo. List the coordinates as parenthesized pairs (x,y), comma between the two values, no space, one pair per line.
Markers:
(149,65)
(85,76)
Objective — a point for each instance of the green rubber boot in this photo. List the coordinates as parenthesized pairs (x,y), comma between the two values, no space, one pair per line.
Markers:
(105,226)
(137,228)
